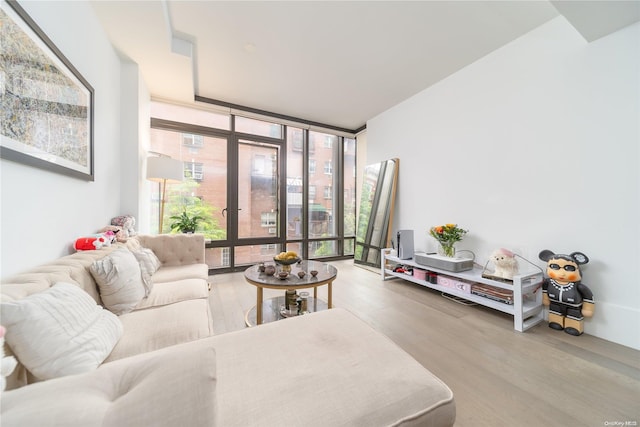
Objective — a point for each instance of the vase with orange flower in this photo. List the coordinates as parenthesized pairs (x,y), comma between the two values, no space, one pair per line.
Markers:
(447,236)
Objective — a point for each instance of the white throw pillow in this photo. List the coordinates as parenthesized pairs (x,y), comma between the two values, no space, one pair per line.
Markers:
(149,264)
(120,281)
(59,331)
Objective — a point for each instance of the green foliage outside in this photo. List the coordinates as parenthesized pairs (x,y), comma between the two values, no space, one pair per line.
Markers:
(357,254)
(326,248)
(349,220)
(180,199)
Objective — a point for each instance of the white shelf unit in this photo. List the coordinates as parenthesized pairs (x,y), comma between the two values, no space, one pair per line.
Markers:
(527,292)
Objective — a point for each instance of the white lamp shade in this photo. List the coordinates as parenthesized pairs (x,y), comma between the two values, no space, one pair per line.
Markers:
(164,168)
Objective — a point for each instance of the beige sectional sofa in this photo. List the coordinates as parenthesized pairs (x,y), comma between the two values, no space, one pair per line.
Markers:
(325,369)
(175,311)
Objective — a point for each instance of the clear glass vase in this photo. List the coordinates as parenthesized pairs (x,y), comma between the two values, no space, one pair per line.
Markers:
(447,249)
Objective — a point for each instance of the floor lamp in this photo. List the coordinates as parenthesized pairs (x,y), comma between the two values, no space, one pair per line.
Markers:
(164,169)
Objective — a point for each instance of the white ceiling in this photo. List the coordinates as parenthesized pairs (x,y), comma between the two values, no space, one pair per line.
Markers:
(333,62)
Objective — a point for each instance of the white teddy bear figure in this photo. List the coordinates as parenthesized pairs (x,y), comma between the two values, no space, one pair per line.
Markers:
(127,222)
(7,364)
(506,265)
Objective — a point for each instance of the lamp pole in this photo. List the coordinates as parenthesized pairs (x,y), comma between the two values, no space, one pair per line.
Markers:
(164,191)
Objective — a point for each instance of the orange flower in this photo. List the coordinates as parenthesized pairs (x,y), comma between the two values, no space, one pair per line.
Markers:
(448,233)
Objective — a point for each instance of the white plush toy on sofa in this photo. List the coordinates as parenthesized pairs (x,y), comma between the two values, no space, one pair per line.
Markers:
(127,222)
(505,263)
(7,364)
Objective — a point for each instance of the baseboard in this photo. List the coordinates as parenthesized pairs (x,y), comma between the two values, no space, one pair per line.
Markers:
(613,322)
(616,323)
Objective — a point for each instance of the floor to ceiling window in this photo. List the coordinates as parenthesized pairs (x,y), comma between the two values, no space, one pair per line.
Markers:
(261,186)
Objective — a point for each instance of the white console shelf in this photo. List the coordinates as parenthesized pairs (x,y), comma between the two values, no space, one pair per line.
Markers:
(527,293)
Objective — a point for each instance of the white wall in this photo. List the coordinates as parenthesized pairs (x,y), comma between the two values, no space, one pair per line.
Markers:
(533,147)
(42,213)
(135,134)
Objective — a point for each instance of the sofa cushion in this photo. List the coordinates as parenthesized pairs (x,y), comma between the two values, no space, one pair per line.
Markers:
(333,366)
(171,387)
(176,249)
(120,281)
(28,284)
(178,272)
(72,268)
(165,293)
(59,331)
(158,327)
(149,264)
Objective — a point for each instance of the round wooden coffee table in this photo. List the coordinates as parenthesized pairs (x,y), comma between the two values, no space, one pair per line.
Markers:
(326,275)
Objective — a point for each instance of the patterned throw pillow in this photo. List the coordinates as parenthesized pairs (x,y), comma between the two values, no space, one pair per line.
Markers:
(149,264)
(120,281)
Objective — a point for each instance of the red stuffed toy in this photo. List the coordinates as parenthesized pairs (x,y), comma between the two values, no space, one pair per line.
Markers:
(94,242)
(88,243)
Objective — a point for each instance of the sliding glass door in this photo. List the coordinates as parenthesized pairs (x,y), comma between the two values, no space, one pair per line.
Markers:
(256,202)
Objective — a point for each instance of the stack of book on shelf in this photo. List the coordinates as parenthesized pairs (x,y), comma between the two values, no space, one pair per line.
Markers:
(492,292)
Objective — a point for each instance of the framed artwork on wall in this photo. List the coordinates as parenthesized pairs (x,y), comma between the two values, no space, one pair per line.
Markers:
(47,106)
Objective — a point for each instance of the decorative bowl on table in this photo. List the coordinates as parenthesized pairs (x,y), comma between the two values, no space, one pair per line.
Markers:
(290,261)
(286,260)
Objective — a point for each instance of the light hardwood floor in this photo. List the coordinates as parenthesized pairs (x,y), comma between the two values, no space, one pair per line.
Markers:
(499,377)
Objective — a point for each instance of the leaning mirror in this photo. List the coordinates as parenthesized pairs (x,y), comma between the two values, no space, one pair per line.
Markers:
(373,232)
